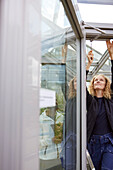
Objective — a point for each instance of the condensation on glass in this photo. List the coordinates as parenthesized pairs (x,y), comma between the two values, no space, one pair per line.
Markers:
(58,89)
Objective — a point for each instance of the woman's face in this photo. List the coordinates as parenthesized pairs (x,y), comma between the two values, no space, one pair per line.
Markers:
(99,82)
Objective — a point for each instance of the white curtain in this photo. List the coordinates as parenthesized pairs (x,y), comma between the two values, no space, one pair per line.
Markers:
(19,84)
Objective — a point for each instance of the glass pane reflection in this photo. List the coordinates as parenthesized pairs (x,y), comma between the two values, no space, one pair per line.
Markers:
(58,107)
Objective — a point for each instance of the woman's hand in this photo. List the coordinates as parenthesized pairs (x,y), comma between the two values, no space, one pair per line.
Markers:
(90,59)
(110,48)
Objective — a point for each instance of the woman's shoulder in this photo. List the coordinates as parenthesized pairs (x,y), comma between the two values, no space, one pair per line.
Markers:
(109,100)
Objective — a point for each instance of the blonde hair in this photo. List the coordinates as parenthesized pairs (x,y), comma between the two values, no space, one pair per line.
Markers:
(107,90)
(72,91)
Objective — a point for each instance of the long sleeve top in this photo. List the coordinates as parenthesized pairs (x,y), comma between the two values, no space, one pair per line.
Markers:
(93,108)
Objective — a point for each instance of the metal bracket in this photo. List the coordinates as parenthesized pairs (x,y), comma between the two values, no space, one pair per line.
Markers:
(95,28)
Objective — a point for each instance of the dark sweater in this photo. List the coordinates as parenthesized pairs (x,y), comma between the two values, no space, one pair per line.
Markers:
(101,126)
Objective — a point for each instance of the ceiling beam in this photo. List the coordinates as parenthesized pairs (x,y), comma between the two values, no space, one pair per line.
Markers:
(92,33)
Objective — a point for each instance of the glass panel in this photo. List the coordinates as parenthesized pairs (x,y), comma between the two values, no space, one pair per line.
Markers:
(99,46)
(106,69)
(58,89)
(96,13)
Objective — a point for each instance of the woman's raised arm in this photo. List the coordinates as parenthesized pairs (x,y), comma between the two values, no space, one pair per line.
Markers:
(90,59)
(110,50)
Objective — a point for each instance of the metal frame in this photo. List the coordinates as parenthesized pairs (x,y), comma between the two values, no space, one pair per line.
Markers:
(91,31)
(71,12)
(83,104)
(75,21)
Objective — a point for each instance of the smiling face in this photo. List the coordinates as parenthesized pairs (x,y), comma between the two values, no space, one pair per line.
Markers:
(99,82)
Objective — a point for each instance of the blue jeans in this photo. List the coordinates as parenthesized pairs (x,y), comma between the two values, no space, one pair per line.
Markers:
(101,151)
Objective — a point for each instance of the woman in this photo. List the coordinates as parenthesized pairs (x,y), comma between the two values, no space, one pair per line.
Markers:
(100,117)
(68,156)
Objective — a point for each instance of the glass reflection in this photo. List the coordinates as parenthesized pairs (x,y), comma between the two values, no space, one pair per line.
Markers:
(68,154)
(57,69)
(51,123)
